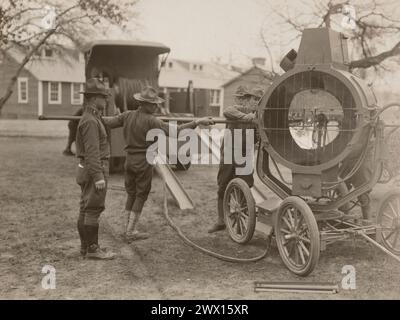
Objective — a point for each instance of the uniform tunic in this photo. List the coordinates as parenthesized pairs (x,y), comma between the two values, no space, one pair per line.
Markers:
(138,171)
(227,171)
(93,151)
(73,126)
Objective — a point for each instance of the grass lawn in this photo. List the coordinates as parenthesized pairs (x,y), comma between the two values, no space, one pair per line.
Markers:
(39,207)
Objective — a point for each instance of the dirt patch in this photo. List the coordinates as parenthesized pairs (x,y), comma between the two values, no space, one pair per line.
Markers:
(39,201)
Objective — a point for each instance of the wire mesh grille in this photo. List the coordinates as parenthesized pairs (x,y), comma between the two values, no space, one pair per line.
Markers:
(310,118)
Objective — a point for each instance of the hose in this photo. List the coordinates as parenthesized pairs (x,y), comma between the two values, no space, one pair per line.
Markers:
(204,250)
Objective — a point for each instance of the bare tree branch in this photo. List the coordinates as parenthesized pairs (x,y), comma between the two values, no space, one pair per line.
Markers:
(375,60)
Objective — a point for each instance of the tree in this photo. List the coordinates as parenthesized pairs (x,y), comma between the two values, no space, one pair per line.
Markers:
(372,26)
(32,24)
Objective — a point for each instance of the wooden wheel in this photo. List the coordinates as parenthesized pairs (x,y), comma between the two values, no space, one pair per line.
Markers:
(388,220)
(297,236)
(239,211)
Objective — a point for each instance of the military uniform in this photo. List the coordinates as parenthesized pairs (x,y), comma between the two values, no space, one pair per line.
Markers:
(93,152)
(72,129)
(228,171)
(138,171)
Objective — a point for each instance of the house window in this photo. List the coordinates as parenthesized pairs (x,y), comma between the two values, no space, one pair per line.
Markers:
(170,65)
(195,67)
(22,90)
(215,97)
(201,67)
(54,92)
(76,97)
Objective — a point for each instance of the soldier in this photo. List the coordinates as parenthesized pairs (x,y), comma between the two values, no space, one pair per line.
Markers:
(72,127)
(138,171)
(244,110)
(93,152)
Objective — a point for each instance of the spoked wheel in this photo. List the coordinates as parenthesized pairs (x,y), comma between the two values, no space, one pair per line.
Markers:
(297,236)
(388,220)
(239,211)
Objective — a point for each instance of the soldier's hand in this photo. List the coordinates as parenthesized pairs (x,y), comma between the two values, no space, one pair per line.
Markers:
(100,185)
(204,121)
(249,117)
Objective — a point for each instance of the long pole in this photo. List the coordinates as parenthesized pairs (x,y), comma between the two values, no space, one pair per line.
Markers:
(163,118)
(376,244)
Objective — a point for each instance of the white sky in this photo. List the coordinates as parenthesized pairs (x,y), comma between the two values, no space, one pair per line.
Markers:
(204,29)
(229,29)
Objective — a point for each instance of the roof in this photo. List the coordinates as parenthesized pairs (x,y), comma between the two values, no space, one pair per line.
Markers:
(56,69)
(159,47)
(267,73)
(212,75)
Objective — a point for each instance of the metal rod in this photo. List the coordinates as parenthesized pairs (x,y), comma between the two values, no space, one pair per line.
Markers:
(293,290)
(116,188)
(163,118)
(376,244)
(317,287)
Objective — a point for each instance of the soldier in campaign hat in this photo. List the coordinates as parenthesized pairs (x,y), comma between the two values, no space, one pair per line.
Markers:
(243,110)
(93,152)
(138,171)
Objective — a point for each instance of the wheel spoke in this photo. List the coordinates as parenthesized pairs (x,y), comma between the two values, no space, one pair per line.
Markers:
(303,239)
(395,239)
(234,222)
(285,231)
(390,234)
(232,201)
(304,248)
(296,254)
(300,222)
(393,209)
(296,219)
(291,217)
(287,222)
(239,227)
(244,224)
(291,248)
(303,260)
(244,213)
(387,216)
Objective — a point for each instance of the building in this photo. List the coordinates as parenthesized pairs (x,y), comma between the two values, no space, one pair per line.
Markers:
(255,76)
(204,79)
(48,84)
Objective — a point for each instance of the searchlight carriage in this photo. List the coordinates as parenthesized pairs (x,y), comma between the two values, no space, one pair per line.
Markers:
(320,130)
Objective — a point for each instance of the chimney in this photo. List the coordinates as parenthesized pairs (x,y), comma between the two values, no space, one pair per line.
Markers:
(258,61)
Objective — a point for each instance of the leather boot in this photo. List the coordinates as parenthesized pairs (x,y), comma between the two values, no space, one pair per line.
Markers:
(94,251)
(127,218)
(131,233)
(82,236)
(220,225)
